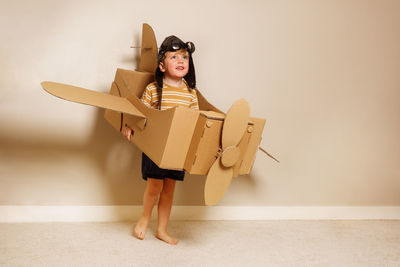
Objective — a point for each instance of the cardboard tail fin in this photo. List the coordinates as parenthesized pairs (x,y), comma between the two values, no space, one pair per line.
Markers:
(149,50)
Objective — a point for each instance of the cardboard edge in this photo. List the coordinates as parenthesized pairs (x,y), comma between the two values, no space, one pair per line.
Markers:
(195,142)
(149,50)
(252,148)
(92,98)
(153,139)
(180,132)
(114,118)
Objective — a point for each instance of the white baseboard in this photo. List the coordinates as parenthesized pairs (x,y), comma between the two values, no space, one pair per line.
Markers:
(13,214)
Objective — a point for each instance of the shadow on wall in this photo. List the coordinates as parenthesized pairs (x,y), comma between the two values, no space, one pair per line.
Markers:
(106,170)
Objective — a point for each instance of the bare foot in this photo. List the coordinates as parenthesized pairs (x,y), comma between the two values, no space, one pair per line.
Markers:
(141,227)
(164,236)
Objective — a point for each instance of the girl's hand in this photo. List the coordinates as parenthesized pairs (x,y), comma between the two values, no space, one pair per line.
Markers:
(127,132)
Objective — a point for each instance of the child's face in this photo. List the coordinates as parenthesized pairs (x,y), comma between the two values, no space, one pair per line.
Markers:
(175,64)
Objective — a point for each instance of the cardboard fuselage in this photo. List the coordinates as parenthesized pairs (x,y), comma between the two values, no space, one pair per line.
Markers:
(179,138)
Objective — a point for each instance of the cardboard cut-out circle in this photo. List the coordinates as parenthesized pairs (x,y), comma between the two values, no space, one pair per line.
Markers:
(218,180)
(235,123)
(230,156)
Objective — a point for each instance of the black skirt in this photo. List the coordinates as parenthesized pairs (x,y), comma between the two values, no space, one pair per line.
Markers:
(151,170)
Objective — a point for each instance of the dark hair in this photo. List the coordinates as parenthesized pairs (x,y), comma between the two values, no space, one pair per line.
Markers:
(172,44)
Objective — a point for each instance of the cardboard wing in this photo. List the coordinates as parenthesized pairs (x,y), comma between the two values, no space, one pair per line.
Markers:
(93,98)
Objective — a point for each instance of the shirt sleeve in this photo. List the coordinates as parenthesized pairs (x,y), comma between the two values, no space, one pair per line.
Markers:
(195,101)
(147,97)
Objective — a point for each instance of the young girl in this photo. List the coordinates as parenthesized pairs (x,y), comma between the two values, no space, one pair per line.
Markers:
(174,86)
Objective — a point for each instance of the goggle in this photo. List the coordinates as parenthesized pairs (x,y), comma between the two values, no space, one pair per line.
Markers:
(176,45)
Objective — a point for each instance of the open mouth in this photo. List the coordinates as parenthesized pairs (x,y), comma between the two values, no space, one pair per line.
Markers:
(179,68)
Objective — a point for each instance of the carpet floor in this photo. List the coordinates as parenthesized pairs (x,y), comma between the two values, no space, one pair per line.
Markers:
(203,243)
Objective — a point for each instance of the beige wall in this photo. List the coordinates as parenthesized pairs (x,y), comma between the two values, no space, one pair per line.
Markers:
(325,74)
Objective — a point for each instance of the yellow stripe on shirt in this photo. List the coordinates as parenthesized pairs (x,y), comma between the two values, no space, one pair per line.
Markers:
(171,97)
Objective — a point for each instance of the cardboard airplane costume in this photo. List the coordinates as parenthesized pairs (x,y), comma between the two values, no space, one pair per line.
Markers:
(206,141)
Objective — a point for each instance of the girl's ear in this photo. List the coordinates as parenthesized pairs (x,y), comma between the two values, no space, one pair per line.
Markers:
(161,66)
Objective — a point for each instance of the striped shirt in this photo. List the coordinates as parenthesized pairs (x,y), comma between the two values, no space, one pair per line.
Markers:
(171,97)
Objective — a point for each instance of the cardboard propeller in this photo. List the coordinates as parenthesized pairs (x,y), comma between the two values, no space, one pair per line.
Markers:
(202,142)
(221,172)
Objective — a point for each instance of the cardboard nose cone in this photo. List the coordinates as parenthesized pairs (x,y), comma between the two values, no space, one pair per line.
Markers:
(218,180)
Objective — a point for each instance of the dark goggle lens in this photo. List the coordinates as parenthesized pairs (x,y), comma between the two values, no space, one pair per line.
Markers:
(176,45)
(190,47)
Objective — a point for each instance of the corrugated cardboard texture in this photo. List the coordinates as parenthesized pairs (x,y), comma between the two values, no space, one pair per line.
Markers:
(243,147)
(235,123)
(90,97)
(114,117)
(179,138)
(254,141)
(153,139)
(217,183)
(205,145)
(149,50)
(132,82)
(127,83)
